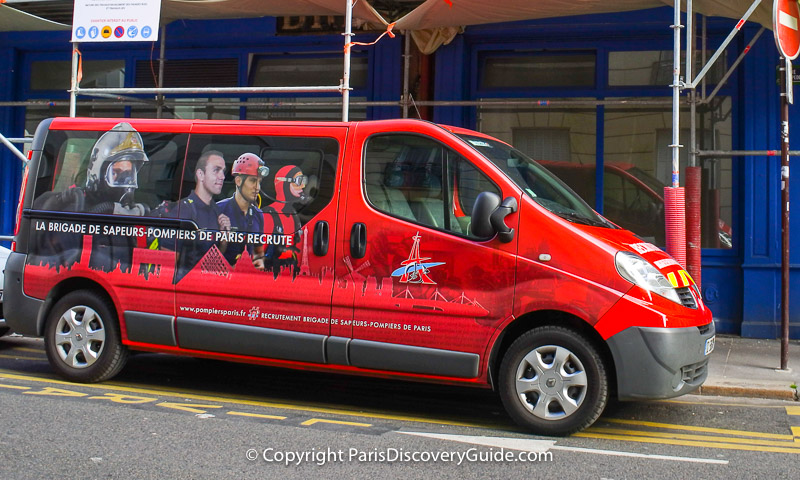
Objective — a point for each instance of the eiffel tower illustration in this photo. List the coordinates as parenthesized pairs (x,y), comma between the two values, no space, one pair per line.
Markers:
(304,269)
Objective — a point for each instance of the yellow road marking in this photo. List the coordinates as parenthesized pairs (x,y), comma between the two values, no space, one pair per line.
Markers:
(33,350)
(691,428)
(187,407)
(793,410)
(124,399)
(719,404)
(256,415)
(57,392)
(254,403)
(796,434)
(689,443)
(336,422)
(686,436)
(16,387)
(18,357)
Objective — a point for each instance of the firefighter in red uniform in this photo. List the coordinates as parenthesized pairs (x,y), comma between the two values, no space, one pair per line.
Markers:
(280,217)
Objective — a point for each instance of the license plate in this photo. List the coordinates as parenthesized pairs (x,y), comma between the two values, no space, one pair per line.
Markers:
(710,344)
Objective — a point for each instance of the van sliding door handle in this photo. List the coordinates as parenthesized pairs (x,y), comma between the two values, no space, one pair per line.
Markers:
(321,238)
(358,240)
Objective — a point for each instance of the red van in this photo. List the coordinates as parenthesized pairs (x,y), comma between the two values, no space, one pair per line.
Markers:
(396,248)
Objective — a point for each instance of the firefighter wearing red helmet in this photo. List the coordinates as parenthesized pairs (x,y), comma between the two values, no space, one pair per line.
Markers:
(242,208)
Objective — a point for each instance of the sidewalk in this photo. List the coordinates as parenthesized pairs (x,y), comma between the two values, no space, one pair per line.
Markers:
(747,367)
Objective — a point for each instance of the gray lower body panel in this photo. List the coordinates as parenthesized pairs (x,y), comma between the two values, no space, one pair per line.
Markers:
(22,313)
(406,358)
(660,362)
(237,339)
(261,342)
(150,328)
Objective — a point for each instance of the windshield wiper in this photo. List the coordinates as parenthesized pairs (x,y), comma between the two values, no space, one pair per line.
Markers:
(578,218)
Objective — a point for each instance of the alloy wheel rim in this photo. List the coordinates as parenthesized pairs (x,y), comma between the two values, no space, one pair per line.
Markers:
(80,337)
(551,382)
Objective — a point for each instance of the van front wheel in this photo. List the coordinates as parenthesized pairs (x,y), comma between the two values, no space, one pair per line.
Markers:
(553,381)
(82,338)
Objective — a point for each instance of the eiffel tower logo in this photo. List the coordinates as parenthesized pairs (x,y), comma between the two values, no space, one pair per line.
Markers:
(416,268)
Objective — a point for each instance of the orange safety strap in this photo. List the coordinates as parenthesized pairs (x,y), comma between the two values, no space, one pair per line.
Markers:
(80,64)
(388,31)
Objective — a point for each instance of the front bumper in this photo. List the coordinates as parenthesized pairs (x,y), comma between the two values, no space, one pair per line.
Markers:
(654,362)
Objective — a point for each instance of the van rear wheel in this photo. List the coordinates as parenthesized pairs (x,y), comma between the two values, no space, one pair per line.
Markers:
(82,338)
(553,381)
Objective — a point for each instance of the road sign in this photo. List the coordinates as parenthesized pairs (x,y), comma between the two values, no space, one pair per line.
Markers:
(786,25)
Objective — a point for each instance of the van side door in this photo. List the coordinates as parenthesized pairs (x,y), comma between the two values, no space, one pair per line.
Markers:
(258,282)
(427,294)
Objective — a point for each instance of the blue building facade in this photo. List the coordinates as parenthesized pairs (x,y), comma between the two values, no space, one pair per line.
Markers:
(587,95)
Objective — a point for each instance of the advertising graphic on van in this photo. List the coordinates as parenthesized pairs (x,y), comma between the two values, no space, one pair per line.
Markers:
(400,249)
(415,270)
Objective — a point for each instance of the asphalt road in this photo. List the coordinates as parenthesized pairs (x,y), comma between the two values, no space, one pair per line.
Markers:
(176,417)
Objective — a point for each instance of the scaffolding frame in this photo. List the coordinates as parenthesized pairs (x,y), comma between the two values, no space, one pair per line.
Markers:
(121,96)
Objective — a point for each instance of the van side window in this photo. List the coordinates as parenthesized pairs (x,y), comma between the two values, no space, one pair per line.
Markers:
(301,171)
(422,181)
(120,171)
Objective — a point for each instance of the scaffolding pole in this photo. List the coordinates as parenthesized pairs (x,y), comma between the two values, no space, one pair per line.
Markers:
(8,143)
(127,100)
(162,52)
(406,73)
(74,81)
(348,35)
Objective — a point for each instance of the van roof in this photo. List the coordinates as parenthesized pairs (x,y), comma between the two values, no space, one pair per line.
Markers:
(185,126)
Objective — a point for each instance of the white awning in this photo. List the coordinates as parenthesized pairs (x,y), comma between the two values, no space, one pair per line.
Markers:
(428,15)
(453,13)
(13,20)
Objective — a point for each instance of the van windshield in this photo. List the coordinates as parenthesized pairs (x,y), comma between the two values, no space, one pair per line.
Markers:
(541,185)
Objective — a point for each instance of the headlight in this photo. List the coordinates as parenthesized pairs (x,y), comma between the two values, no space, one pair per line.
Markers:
(640,272)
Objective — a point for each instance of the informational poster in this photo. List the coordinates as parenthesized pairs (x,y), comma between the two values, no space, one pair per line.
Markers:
(116,21)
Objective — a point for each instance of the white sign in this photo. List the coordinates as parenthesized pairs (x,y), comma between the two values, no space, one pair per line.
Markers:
(116,21)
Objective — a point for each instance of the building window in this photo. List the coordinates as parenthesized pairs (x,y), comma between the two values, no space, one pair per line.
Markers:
(304,108)
(537,70)
(299,71)
(654,68)
(57,74)
(554,138)
(188,73)
(638,165)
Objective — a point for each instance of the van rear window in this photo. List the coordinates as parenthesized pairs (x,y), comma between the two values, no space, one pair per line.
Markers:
(120,171)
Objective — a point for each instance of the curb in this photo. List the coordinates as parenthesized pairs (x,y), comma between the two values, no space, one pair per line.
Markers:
(774,393)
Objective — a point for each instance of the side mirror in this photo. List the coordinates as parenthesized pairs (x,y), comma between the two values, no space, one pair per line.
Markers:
(488,216)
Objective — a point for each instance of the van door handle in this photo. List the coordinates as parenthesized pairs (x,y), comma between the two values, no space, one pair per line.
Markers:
(358,240)
(321,238)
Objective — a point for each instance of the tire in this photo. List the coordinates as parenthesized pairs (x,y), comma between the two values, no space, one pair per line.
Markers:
(553,381)
(82,338)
